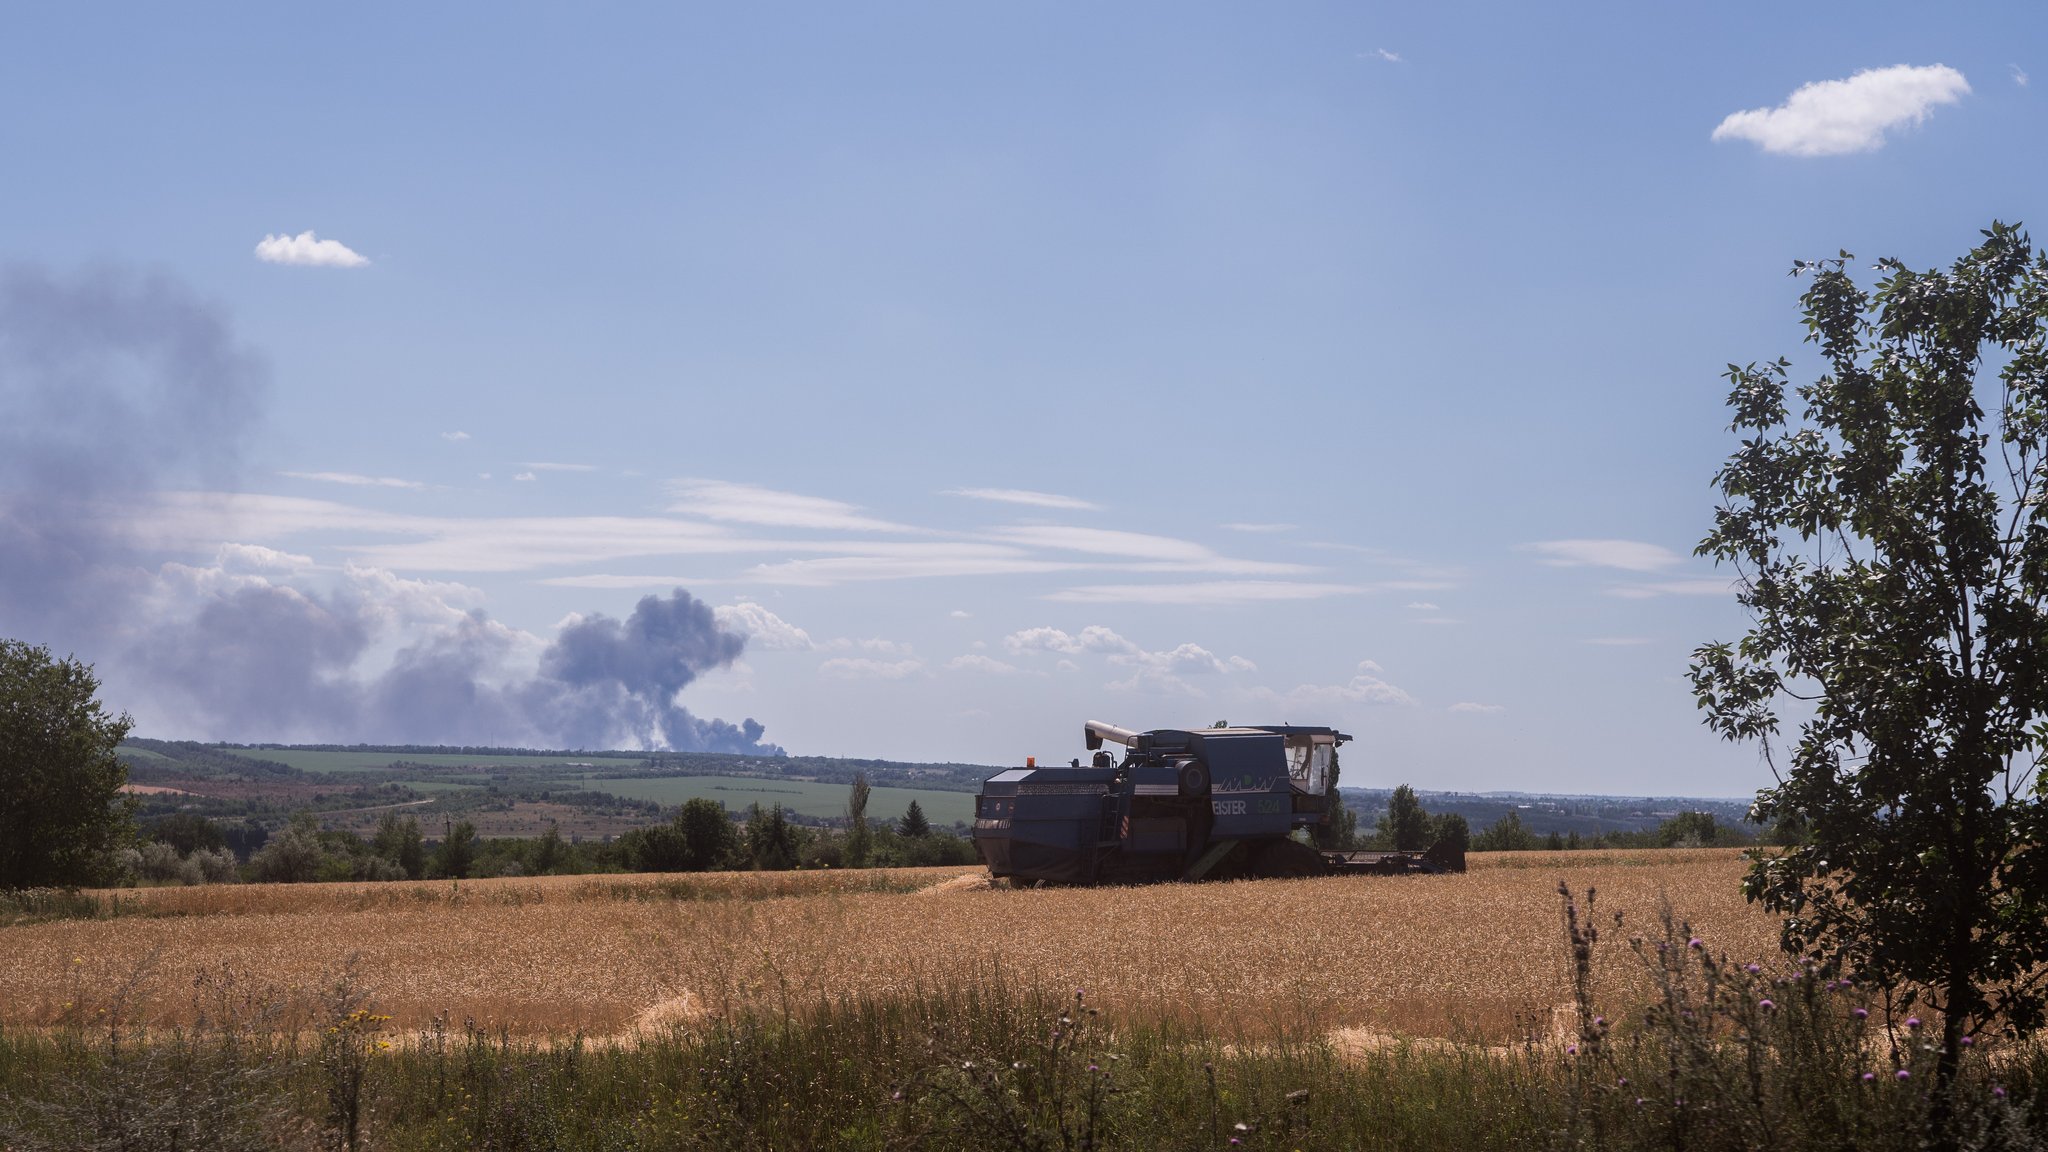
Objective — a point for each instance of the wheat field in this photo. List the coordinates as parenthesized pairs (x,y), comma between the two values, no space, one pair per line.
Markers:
(1477,955)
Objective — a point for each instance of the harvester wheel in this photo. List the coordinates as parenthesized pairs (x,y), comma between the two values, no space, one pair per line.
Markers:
(1194,779)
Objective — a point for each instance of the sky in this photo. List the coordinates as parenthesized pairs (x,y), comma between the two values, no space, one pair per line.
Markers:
(920,380)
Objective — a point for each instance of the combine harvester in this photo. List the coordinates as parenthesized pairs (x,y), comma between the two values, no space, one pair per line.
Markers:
(1207,804)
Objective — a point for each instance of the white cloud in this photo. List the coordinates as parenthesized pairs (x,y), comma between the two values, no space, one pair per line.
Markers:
(1214,592)
(307,249)
(975,662)
(1027,497)
(961,614)
(1421,606)
(1711,586)
(1187,658)
(762,628)
(1837,117)
(2019,75)
(1481,709)
(607,580)
(355,480)
(1627,555)
(863,668)
(483,475)
(456,436)
(1241,526)
(546,466)
(522,475)
(1367,687)
(753,504)
(257,558)
(1383,54)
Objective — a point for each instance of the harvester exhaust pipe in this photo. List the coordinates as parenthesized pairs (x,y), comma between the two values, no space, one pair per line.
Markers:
(1096,732)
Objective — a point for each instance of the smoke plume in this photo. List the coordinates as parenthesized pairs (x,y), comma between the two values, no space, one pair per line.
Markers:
(114,388)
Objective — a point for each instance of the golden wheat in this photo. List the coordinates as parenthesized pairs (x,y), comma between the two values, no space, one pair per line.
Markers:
(1475,955)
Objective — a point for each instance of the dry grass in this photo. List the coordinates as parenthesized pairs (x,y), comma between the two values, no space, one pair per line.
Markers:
(1478,955)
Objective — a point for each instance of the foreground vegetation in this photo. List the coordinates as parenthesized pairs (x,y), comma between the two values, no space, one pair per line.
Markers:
(1709,1054)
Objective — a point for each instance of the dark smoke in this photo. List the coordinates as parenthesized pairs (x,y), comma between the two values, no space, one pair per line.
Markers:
(112,386)
(115,387)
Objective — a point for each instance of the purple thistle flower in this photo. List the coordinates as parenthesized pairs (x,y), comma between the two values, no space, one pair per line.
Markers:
(1969,1042)
(1869,1077)
(1752,969)
(1998,1090)
(1571,1050)
(1860,1013)
(1912,1021)
(1695,942)
(1766,1005)
(1905,1075)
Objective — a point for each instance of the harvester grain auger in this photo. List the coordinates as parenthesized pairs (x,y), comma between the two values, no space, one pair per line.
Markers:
(1210,803)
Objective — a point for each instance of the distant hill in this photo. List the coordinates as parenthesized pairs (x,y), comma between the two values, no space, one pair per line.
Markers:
(1543,814)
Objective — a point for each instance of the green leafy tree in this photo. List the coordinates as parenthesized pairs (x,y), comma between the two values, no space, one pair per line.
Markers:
(398,840)
(550,851)
(1688,830)
(293,856)
(771,841)
(62,813)
(708,835)
(457,853)
(1405,827)
(859,837)
(1339,829)
(914,824)
(188,832)
(1452,827)
(1505,835)
(1890,543)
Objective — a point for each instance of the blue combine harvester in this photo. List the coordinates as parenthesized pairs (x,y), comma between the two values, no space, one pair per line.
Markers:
(1208,803)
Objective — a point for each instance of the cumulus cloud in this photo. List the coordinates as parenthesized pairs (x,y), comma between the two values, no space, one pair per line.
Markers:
(355,479)
(310,250)
(1027,497)
(1627,555)
(1366,687)
(1837,117)
(1118,650)
(762,628)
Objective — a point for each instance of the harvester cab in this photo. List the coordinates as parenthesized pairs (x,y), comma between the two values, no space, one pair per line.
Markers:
(1205,803)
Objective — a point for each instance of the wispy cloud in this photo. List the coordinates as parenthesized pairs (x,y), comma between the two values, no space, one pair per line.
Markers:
(309,250)
(354,480)
(1837,117)
(1366,687)
(1027,497)
(1104,641)
(1243,526)
(1202,593)
(976,662)
(1627,555)
(1382,54)
(2019,75)
(1468,706)
(457,436)
(862,668)
(1709,586)
(753,504)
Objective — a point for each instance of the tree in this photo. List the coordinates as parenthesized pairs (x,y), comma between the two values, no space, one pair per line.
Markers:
(914,824)
(457,853)
(398,840)
(1339,829)
(1505,835)
(859,838)
(771,842)
(62,813)
(551,851)
(1688,830)
(1405,827)
(1452,827)
(708,836)
(1892,552)
(293,856)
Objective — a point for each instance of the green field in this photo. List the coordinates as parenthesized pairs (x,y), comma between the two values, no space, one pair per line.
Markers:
(800,796)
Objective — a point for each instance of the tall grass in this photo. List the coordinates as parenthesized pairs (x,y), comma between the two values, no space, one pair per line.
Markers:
(1718,1054)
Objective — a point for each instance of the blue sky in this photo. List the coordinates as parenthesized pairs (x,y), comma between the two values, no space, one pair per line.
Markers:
(991,370)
